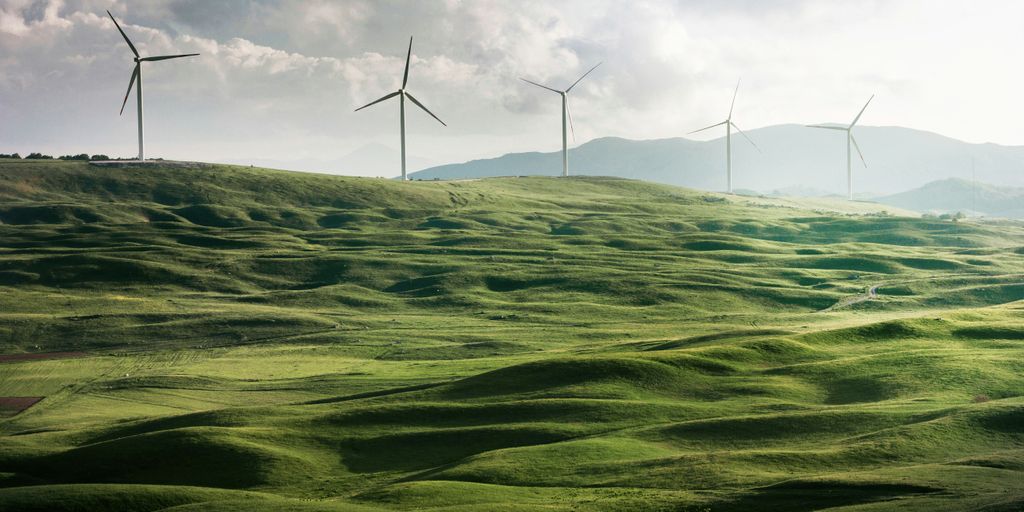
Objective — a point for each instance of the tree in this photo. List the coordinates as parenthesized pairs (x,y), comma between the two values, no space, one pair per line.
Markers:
(100,156)
(38,156)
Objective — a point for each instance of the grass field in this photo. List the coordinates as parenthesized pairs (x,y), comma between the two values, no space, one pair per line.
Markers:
(234,339)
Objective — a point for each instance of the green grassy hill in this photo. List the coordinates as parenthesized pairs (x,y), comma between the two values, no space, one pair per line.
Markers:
(246,339)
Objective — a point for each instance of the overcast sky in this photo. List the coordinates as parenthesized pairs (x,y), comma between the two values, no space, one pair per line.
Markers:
(279,79)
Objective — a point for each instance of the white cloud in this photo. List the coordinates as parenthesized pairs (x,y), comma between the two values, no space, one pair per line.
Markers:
(279,78)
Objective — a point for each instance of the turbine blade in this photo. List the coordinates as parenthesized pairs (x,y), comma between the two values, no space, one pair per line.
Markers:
(408,56)
(130,45)
(745,137)
(582,77)
(733,105)
(708,128)
(857,146)
(569,113)
(420,105)
(541,86)
(826,127)
(862,111)
(166,57)
(389,96)
(135,74)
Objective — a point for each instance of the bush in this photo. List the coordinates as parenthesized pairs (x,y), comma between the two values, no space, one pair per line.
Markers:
(81,156)
(12,155)
(99,157)
(38,156)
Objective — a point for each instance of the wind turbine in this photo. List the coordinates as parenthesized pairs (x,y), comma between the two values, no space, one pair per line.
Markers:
(729,125)
(849,140)
(137,75)
(402,94)
(565,114)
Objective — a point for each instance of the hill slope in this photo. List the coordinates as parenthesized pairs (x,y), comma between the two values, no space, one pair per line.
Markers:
(957,195)
(898,159)
(243,339)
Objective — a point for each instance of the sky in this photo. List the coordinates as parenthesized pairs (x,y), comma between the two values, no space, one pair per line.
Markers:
(278,80)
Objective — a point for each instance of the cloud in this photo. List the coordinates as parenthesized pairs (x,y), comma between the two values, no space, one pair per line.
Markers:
(281,77)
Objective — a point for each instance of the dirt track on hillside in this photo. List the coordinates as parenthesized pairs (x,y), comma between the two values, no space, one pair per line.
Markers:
(871,294)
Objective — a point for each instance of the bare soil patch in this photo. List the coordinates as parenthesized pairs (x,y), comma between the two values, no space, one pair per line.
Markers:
(4,358)
(16,404)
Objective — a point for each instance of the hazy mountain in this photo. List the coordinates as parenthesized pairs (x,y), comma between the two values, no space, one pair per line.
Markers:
(368,160)
(958,195)
(793,156)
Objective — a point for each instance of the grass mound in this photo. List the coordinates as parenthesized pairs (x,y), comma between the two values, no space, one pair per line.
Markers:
(587,377)
(107,497)
(199,456)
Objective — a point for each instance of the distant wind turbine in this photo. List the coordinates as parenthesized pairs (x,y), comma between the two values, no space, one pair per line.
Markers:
(137,75)
(565,114)
(729,125)
(850,140)
(402,94)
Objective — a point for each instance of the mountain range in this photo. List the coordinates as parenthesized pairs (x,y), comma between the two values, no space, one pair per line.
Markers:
(959,195)
(792,157)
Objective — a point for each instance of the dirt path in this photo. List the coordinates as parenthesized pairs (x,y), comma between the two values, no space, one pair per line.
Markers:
(871,294)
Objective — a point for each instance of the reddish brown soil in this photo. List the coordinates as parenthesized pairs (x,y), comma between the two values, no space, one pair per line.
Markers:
(17,404)
(44,355)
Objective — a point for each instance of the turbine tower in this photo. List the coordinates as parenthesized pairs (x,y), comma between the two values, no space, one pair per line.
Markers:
(729,125)
(402,94)
(850,140)
(137,81)
(565,114)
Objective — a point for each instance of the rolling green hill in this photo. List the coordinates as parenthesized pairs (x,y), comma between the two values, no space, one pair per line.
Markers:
(211,337)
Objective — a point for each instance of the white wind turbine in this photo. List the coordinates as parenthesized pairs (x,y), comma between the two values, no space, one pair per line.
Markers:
(137,75)
(729,125)
(850,140)
(565,114)
(402,94)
